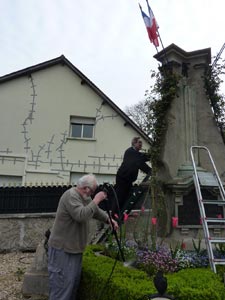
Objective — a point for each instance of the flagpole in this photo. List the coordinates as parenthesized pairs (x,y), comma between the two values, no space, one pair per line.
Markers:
(151,11)
(166,58)
(156,49)
(154,34)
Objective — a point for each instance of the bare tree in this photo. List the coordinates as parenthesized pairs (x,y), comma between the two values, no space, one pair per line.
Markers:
(140,114)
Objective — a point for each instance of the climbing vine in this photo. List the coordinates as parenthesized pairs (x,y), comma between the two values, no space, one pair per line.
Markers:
(159,101)
(163,92)
(212,83)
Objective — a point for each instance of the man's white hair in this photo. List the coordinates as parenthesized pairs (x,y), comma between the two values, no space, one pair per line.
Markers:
(88,180)
(135,140)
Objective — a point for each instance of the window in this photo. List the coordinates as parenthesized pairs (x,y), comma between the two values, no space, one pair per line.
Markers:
(82,130)
(6,180)
(82,127)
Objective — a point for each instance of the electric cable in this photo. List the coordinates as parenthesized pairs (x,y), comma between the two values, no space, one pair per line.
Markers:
(120,252)
(108,280)
(138,221)
(111,223)
(116,201)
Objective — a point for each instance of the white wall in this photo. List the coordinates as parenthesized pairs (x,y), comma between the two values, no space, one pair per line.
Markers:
(35,123)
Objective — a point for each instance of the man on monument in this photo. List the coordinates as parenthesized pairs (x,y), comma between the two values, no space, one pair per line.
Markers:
(133,161)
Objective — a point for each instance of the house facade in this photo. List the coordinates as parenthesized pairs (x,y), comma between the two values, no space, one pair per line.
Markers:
(56,125)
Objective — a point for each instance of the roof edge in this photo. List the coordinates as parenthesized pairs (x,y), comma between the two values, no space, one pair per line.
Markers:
(64,61)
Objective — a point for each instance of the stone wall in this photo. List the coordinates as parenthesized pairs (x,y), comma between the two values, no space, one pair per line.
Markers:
(23,232)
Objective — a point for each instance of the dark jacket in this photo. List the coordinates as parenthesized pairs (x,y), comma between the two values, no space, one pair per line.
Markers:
(133,161)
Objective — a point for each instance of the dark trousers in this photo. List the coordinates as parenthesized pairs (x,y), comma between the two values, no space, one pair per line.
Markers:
(122,189)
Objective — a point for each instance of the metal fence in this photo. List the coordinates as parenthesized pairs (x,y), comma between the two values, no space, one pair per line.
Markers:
(41,199)
(34,199)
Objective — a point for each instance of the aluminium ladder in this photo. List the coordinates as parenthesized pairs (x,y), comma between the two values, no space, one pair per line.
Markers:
(210,181)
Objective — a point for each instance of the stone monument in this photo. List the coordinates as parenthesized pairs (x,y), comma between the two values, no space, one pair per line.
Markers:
(190,123)
(36,278)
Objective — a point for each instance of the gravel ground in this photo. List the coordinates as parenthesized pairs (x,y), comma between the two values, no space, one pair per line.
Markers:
(12,268)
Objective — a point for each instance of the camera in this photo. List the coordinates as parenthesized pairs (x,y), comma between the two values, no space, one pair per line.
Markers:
(105,187)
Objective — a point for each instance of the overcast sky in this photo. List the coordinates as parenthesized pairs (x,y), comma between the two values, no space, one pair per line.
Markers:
(105,39)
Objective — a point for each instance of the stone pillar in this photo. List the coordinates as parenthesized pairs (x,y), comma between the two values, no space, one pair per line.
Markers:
(190,123)
(190,119)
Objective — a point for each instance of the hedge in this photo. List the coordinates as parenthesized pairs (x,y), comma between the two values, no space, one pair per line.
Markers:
(104,278)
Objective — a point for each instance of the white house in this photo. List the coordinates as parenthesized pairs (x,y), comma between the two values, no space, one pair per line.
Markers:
(56,125)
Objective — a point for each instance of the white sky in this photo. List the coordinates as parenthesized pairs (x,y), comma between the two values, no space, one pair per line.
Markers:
(105,39)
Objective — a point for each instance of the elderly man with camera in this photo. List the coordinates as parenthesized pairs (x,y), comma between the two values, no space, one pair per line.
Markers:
(69,236)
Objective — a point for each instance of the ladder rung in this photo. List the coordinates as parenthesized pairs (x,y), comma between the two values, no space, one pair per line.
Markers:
(215,220)
(218,261)
(218,202)
(209,186)
(217,239)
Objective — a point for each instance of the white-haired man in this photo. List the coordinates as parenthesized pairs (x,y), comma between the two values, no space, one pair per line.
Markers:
(69,236)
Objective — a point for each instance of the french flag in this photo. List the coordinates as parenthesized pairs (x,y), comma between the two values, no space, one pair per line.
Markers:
(151,25)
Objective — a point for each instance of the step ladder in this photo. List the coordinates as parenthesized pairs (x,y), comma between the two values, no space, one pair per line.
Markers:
(211,181)
(135,197)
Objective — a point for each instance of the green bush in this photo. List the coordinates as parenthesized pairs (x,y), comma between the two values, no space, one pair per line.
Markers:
(132,284)
(195,284)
